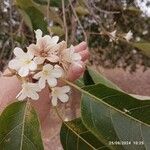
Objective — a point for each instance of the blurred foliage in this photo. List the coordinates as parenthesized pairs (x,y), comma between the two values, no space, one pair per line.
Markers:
(86,19)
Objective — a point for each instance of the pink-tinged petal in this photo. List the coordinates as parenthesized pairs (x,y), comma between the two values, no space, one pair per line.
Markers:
(54,100)
(52,82)
(80,47)
(18,52)
(38,75)
(23,71)
(76,57)
(14,64)
(53,58)
(43,43)
(39,60)
(65,89)
(33,66)
(63,98)
(33,48)
(42,83)
(38,34)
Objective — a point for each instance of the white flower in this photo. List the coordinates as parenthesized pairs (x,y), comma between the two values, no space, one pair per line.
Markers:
(60,93)
(112,35)
(46,48)
(69,55)
(50,74)
(29,90)
(23,62)
(128,36)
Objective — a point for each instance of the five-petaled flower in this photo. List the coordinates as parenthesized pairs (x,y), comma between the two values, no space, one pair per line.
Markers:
(29,90)
(69,56)
(128,36)
(46,48)
(50,74)
(60,93)
(23,62)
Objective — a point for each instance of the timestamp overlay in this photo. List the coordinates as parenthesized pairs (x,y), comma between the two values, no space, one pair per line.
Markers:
(138,143)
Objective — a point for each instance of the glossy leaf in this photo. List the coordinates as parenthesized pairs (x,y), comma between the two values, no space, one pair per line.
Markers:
(75,136)
(19,128)
(112,115)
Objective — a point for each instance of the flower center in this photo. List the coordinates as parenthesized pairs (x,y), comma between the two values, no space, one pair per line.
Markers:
(46,72)
(27,62)
(43,53)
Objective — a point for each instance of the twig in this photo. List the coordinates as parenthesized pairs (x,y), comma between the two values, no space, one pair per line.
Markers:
(47,13)
(65,22)
(11,29)
(75,14)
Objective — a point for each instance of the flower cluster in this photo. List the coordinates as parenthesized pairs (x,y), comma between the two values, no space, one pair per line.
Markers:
(43,64)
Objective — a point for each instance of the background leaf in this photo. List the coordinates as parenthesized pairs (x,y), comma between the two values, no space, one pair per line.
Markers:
(85,139)
(144,47)
(55,3)
(19,128)
(32,15)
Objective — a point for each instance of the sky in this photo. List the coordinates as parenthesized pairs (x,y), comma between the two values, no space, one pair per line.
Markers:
(144,5)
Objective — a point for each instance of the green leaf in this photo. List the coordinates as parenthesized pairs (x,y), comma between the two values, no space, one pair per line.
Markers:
(75,136)
(19,128)
(144,47)
(54,3)
(112,115)
(82,11)
(32,16)
(57,30)
(37,19)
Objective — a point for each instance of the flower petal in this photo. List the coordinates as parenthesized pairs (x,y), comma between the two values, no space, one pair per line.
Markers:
(54,100)
(57,72)
(63,98)
(48,67)
(42,83)
(55,39)
(35,87)
(38,34)
(33,48)
(65,89)
(21,96)
(52,82)
(32,66)
(33,95)
(38,75)
(18,52)
(53,58)
(29,55)
(14,64)
(23,71)
(76,57)
(39,60)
